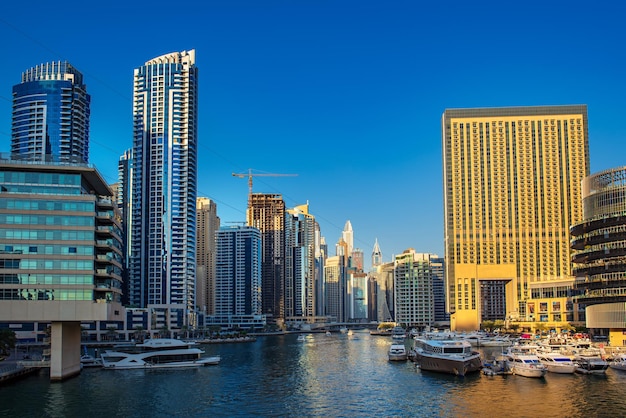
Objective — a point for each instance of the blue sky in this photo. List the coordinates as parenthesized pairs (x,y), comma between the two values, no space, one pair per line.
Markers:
(346,94)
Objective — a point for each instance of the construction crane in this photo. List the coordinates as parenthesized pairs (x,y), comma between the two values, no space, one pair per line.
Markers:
(250,174)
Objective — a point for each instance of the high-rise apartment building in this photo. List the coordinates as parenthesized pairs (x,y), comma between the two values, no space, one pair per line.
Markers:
(123,198)
(164,184)
(208,224)
(512,188)
(238,272)
(266,212)
(335,288)
(413,290)
(300,296)
(51,115)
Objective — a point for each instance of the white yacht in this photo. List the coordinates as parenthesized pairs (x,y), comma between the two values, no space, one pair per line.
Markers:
(557,363)
(447,356)
(522,360)
(397,352)
(156,353)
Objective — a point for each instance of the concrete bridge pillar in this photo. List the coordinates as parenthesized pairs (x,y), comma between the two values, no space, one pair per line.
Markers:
(64,350)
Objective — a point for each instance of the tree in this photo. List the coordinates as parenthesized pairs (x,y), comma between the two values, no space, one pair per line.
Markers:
(112,333)
(487,325)
(514,327)
(7,341)
(140,334)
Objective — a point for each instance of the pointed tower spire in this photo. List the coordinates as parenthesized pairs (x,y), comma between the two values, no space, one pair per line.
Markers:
(377,256)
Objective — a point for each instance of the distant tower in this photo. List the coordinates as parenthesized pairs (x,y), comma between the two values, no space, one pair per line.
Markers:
(348,237)
(356,259)
(208,223)
(377,256)
(51,115)
(300,294)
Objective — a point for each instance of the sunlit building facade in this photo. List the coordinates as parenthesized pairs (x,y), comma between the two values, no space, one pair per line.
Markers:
(512,188)
(208,225)
(413,290)
(599,243)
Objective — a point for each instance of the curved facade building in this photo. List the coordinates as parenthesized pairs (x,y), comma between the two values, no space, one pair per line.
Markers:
(51,115)
(599,244)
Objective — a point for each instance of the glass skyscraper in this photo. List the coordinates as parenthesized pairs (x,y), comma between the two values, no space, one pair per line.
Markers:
(51,115)
(164,186)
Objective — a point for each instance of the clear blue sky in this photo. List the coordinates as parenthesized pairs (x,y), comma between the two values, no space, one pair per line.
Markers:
(347,94)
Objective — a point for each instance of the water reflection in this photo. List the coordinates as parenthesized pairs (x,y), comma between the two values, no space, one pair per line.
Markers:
(323,376)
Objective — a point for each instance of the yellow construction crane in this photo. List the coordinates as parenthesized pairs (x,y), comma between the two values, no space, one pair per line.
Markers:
(250,174)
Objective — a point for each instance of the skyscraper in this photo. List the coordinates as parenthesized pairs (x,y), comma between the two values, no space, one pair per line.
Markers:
(377,256)
(348,237)
(300,295)
(512,188)
(266,212)
(208,224)
(51,115)
(163,232)
(413,289)
(238,272)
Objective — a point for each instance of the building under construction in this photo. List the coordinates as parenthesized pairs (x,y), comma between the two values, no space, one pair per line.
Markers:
(267,213)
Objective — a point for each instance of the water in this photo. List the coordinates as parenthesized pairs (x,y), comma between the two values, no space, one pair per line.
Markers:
(334,376)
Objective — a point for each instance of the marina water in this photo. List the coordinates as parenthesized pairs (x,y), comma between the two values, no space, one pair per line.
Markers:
(335,376)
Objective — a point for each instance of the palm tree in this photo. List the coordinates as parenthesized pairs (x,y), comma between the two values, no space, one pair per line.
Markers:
(140,334)
(112,333)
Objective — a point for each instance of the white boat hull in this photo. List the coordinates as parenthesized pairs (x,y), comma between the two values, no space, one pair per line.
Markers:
(528,372)
(561,368)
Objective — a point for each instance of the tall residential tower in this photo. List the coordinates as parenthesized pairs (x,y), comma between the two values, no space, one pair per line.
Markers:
(512,188)
(164,183)
(51,115)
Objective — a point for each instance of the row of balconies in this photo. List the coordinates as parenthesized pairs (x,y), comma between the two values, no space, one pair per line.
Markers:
(600,252)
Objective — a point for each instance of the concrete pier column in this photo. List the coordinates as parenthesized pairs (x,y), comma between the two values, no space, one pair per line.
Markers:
(64,350)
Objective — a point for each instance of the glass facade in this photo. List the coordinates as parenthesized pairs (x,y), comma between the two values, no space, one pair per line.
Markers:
(51,115)
(59,237)
(164,184)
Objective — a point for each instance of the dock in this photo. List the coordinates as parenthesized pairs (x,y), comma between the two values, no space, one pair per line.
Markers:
(13,372)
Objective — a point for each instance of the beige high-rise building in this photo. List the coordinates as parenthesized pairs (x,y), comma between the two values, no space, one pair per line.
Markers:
(207,224)
(512,188)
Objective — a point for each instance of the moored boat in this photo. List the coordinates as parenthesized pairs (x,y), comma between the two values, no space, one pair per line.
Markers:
(156,353)
(618,362)
(590,364)
(398,333)
(87,360)
(397,352)
(557,362)
(522,360)
(447,356)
